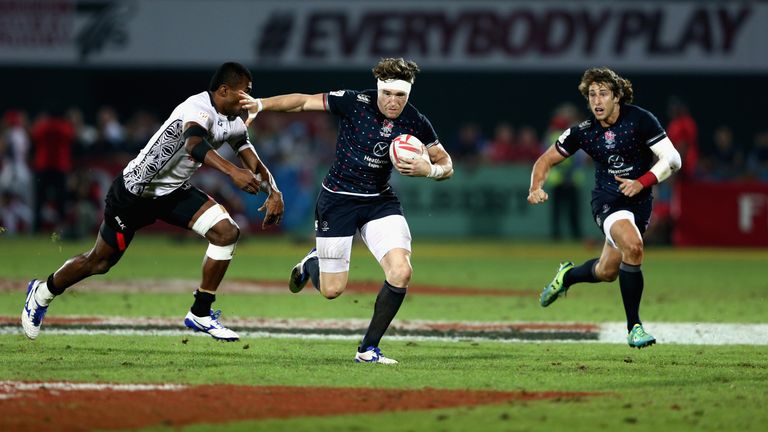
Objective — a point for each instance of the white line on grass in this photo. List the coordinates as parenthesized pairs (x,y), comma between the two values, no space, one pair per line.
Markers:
(613,332)
(693,333)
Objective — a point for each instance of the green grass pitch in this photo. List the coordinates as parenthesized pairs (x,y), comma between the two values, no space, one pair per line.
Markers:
(665,387)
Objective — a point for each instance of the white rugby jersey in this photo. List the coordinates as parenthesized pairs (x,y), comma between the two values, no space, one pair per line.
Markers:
(164,165)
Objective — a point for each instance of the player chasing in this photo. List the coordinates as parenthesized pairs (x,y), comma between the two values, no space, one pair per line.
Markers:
(356,195)
(622,139)
(155,185)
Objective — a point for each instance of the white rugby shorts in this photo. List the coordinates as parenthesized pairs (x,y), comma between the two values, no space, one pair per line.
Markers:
(379,235)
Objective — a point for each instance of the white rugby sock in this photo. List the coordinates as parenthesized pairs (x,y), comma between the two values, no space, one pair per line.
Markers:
(43,297)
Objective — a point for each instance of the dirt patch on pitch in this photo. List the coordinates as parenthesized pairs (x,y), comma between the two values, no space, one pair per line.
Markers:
(253,286)
(82,407)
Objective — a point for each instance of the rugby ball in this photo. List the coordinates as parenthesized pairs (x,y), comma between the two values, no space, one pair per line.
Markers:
(406,147)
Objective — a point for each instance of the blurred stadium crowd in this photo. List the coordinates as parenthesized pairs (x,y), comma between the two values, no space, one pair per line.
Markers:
(55,167)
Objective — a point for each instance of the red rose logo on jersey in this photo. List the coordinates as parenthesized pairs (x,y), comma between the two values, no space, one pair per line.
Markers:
(610,137)
(386,128)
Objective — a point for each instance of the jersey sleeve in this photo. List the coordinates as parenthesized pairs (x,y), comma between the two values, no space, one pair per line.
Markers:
(568,142)
(426,133)
(195,112)
(649,128)
(240,140)
(341,102)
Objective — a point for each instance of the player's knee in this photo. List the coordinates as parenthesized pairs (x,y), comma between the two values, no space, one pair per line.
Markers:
(98,265)
(331,288)
(226,233)
(331,292)
(632,252)
(217,226)
(610,276)
(400,275)
(607,274)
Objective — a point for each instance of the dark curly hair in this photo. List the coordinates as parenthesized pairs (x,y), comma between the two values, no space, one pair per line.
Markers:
(396,68)
(618,85)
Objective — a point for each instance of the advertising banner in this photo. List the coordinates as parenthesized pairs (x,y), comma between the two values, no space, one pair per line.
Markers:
(722,214)
(440,35)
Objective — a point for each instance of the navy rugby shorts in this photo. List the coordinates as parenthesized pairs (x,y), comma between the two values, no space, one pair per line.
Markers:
(341,215)
(603,204)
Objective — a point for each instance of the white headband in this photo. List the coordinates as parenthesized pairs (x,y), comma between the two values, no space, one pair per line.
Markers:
(394,84)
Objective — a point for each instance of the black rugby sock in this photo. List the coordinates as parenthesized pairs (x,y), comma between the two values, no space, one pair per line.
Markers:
(387,304)
(53,288)
(202,305)
(582,273)
(631,284)
(312,266)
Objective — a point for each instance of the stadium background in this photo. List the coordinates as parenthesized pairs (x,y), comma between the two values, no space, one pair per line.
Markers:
(485,65)
(471,321)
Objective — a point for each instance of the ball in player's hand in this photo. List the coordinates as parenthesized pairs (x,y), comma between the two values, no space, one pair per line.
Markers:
(406,147)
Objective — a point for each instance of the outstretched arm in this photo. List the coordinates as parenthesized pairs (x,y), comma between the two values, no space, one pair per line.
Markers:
(541,168)
(294,102)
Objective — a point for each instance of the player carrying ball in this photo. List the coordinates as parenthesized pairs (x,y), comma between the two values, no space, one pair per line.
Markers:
(356,195)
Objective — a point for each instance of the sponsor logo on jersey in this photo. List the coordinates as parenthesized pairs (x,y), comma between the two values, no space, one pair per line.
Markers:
(585,124)
(381,149)
(203,115)
(373,162)
(337,93)
(616,161)
(564,135)
(386,129)
(616,165)
(364,98)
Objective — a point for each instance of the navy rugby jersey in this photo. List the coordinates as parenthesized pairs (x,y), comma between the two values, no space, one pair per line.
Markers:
(622,149)
(362,165)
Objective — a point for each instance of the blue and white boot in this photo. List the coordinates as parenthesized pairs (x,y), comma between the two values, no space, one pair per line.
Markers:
(33,313)
(299,275)
(211,325)
(373,355)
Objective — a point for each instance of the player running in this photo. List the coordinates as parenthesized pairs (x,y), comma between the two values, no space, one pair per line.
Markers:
(155,185)
(622,139)
(356,194)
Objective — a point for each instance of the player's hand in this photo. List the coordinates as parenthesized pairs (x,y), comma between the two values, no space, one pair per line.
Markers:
(629,187)
(417,167)
(274,207)
(251,105)
(245,180)
(537,196)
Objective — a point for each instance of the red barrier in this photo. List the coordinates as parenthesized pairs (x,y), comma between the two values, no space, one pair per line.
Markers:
(721,214)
